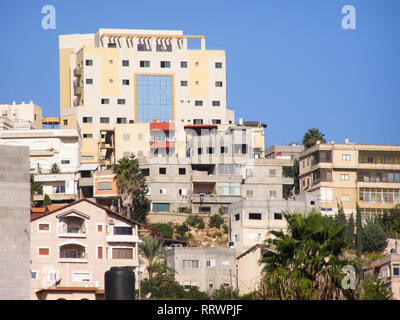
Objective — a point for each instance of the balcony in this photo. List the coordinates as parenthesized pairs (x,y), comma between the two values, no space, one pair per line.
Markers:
(86,182)
(78,71)
(122,238)
(73,253)
(78,91)
(72,227)
(203,176)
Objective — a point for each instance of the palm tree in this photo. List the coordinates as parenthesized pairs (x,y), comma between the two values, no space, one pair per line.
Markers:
(126,177)
(153,254)
(304,263)
(311,137)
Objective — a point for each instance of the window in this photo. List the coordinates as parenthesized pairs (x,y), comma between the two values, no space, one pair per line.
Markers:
(216,103)
(121,120)
(255,216)
(198,103)
(218,84)
(104,120)
(104,185)
(272,194)
(126,154)
(43,251)
(396,270)
(99,228)
(126,137)
(229,188)
(255,236)
(105,101)
(205,209)
(143,47)
(163,191)
(216,121)
(110,61)
(125,82)
(122,253)
(161,207)
(89,62)
(196,64)
(122,230)
(87,135)
(65,122)
(196,83)
(272,172)
(278,216)
(125,63)
(44,227)
(184,83)
(112,45)
(34,275)
(182,171)
(121,101)
(191,264)
(236,237)
(224,149)
(162,170)
(210,263)
(346,157)
(345,197)
(182,192)
(218,65)
(100,252)
(145,64)
(237,217)
(165,64)
(87,158)
(210,150)
(249,193)
(111,81)
(162,48)
(87,119)
(146,172)
(344,177)
(229,169)
(184,64)
(65,161)
(89,81)
(197,121)
(199,150)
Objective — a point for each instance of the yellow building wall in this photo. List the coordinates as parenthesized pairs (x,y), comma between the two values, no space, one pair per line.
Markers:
(65,79)
(71,122)
(90,148)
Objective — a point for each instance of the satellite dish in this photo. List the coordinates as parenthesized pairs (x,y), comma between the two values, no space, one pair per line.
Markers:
(148,295)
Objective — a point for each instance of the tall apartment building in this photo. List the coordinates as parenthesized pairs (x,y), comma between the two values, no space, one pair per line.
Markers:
(118,76)
(347,173)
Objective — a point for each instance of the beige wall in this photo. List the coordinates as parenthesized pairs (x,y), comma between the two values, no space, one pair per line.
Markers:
(52,239)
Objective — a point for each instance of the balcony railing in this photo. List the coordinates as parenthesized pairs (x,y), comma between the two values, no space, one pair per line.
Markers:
(122,238)
(72,231)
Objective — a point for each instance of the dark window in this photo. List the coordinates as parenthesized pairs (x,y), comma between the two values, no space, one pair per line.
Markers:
(184,83)
(166,48)
(123,230)
(88,135)
(125,82)
(165,64)
(112,45)
(87,120)
(197,121)
(224,149)
(218,65)
(198,103)
(182,171)
(278,216)
(163,170)
(125,63)
(145,64)
(121,101)
(65,161)
(146,172)
(121,120)
(65,122)
(104,120)
(210,150)
(216,103)
(105,101)
(89,81)
(184,64)
(255,216)
(237,217)
(205,209)
(218,84)
(199,150)
(143,47)
(216,121)
(89,62)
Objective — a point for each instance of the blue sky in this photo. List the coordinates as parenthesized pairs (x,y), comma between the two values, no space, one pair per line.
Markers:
(290,63)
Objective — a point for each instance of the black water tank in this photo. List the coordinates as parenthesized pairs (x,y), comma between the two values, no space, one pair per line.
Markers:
(119,284)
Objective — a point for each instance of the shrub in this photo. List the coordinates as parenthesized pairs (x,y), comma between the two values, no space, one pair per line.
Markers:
(195,221)
(225,228)
(164,229)
(182,229)
(216,220)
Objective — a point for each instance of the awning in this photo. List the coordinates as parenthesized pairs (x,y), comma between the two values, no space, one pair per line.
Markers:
(88,166)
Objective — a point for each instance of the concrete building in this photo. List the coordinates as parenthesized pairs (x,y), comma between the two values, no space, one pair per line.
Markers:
(46,147)
(73,246)
(141,76)
(14,226)
(388,269)
(289,152)
(23,116)
(348,173)
(206,268)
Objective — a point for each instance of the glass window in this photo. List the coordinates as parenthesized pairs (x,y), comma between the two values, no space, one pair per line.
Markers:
(218,65)
(161,207)
(125,82)
(154,98)
(278,216)
(218,84)
(104,185)
(112,45)
(216,121)
(216,103)
(164,48)
(105,101)
(89,81)
(89,62)
(88,135)
(191,264)
(184,64)
(182,171)
(145,64)
(143,47)
(122,253)
(165,64)
(104,120)
(121,120)
(122,230)
(125,63)
(121,101)
(184,83)
(87,119)
(163,170)
(255,216)
(229,188)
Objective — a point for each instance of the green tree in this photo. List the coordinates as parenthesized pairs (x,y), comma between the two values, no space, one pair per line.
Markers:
(132,188)
(216,220)
(162,287)
(36,187)
(195,221)
(350,230)
(46,201)
(164,229)
(226,293)
(181,230)
(55,168)
(340,218)
(359,232)
(152,254)
(304,262)
(374,237)
(311,137)
(373,288)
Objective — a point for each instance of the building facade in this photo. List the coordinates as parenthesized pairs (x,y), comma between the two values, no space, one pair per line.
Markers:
(72,247)
(23,116)
(118,76)
(206,268)
(349,173)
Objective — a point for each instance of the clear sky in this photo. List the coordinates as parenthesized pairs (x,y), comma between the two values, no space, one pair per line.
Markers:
(290,63)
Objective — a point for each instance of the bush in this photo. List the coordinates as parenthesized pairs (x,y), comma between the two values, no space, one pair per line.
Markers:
(225,293)
(182,229)
(216,220)
(225,228)
(47,201)
(195,221)
(195,294)
(164,229)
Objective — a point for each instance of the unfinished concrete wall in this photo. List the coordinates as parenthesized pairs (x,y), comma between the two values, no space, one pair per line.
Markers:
(14,223)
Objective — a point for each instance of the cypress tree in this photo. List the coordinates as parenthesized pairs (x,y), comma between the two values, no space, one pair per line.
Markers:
(350,230)
(359,232)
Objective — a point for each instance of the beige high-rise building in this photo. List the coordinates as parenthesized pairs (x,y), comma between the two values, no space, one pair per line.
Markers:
(347,173)
(138,76)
